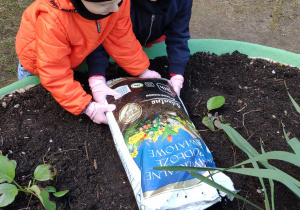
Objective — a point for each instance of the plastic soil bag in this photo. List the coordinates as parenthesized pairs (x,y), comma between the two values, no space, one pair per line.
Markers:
(150,128)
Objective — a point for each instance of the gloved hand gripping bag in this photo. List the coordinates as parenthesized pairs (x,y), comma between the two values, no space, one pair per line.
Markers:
(151,127)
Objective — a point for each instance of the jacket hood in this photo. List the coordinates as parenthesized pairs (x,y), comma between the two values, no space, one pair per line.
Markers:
(78,6)
(63,4)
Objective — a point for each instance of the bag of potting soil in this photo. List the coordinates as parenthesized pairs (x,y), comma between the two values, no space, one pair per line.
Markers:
(151,128)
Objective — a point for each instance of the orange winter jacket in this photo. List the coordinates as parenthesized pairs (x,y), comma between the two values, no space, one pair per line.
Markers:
(52,42)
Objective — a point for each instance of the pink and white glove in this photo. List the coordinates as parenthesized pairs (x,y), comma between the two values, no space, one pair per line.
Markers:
(177,82)
(100,90)
(149,74)
(96,112)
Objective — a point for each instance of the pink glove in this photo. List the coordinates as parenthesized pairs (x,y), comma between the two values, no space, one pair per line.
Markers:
(100,90)
(149,74)
(96,112)
(177,82)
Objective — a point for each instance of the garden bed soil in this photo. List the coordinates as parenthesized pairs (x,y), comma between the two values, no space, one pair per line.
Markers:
(36,130)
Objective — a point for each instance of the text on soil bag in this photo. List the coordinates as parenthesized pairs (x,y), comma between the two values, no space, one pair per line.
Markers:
(172,155)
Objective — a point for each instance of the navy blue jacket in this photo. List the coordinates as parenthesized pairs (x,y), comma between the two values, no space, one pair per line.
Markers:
(150,21)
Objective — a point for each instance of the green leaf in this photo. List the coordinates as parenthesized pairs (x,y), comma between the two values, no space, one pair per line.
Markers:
(297,107)
(208,123)
(184,168)
(220,187)
(14,163)
(289,181)
(240,142)
(295,145)
(7,169)
(215,102)
(261,180)
(8,193)
(287,139)
(43,173)
(275,155)
(285,135)
(43,195)
(50,189)
(272,193)
(60,193)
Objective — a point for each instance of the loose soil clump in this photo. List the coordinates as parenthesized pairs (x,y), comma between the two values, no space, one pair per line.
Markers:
(35,129)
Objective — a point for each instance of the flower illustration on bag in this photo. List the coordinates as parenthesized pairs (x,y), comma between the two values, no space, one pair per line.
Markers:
(151,130)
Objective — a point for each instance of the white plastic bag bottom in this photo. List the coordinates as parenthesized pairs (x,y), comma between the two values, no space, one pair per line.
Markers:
(201,196)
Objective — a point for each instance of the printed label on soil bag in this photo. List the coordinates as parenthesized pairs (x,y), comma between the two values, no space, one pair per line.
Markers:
(158,132)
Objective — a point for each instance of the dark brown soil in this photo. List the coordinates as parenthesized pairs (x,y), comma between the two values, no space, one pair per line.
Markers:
(34,128)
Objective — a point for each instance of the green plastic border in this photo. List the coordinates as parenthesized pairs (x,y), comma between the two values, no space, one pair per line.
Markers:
(217,46)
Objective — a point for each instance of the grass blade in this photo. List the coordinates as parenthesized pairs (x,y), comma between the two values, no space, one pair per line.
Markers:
(267,202)
(220,187)
(238,140)
(274,174)
(275,155)
(297,107)
(295,145)
(287,180)
(271,182)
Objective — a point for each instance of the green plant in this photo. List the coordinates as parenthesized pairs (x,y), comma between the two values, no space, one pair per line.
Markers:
(209,120)
(297,107)
(270,172)
(9,191)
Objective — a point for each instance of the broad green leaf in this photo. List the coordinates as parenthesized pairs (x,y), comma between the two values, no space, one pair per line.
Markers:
(220,187)
(43,195)
(8,193)
(43,173)
(297,107)
(50,189)
(60,193)
(275,155)
(215,102)
(238,140)
(275,174)
(287,180)
(14,163)
(295,145)
(208,123)
(7,169)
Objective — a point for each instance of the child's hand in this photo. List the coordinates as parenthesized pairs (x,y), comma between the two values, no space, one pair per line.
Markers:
(177,82)
(149,74)
(96,112)
(100,90)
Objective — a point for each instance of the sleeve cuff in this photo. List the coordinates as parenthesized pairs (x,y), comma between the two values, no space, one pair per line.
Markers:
(176,68)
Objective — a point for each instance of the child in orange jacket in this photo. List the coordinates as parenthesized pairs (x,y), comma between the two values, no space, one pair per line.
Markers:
(55,37)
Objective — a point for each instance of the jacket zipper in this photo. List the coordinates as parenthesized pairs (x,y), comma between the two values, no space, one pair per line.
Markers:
(150,31)
(98,26)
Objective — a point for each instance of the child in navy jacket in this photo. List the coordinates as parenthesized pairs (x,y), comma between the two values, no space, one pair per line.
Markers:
(151,19)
